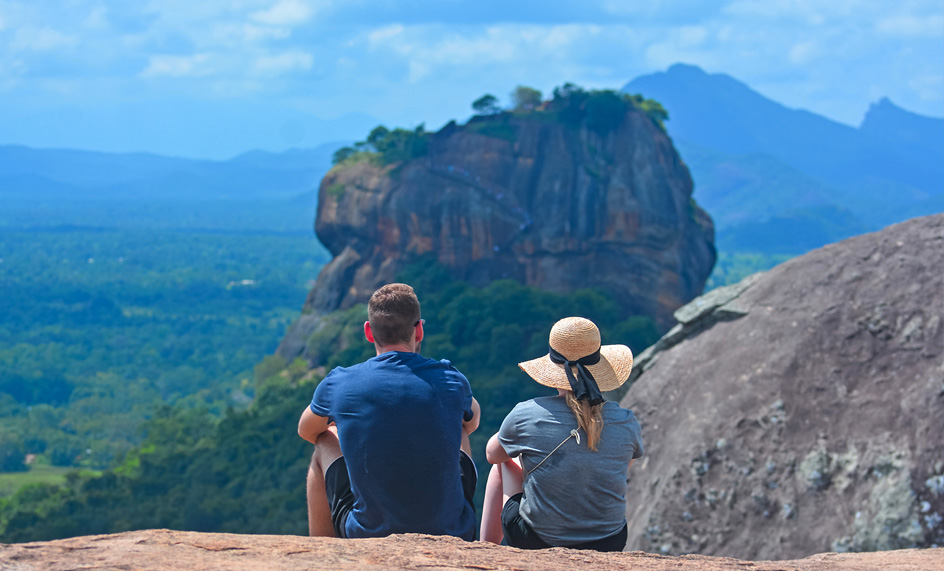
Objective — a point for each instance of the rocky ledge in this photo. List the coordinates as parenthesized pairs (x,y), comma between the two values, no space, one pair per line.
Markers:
(165,549)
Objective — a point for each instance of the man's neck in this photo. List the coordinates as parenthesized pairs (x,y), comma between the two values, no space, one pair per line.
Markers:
(397,347)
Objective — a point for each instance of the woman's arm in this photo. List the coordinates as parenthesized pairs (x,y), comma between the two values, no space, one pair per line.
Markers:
(494,452)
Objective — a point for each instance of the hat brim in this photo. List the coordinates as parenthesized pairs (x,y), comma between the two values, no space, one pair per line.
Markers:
(616,362)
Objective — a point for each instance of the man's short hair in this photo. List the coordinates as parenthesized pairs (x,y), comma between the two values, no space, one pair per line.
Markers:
(393,311)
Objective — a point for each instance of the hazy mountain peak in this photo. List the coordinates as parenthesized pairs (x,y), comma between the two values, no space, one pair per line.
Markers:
(885,119)
(689,72)
(755,161)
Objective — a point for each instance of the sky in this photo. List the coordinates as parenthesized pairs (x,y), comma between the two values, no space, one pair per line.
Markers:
(214,78)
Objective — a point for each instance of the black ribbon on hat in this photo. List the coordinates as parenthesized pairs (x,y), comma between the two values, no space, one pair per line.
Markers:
(583,385)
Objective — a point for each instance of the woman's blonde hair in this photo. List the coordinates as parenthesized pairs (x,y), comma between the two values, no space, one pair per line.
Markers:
(589,418)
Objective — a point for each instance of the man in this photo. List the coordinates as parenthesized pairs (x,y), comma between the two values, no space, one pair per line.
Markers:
(388,434)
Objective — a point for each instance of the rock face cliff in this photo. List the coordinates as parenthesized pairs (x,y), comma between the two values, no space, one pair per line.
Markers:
(554,205)
(800,411)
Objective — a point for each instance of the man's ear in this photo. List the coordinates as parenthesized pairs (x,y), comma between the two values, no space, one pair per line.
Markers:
(419,332)
(368,333)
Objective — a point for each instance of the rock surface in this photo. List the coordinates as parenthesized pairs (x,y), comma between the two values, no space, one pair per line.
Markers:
(164,549)
(801,411)
(552,205)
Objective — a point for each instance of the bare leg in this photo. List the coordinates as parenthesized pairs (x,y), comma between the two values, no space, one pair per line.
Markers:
(491,529)
(512,478)
(504,481)
(327,450)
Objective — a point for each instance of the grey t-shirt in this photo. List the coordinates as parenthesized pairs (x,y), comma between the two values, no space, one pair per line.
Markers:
(576,495)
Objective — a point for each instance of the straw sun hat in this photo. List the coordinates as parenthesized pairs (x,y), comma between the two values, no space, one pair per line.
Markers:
(575,338)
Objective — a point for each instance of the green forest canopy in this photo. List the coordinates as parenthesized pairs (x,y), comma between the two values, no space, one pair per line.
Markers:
(246,472)
(602,110)
(101,326)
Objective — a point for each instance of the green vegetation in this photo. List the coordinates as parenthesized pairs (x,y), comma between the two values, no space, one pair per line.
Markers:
(525,98)
(10,482)
(486,105)
(246,472)
(496,129)
(386,147)
(602,110)
(101,326)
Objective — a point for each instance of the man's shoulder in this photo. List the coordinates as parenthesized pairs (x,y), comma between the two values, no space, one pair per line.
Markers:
(393,365)
(340,371)
(436,365)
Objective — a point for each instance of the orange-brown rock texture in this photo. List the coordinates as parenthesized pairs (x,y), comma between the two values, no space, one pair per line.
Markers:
(801,411)
(553,205)
(163,549)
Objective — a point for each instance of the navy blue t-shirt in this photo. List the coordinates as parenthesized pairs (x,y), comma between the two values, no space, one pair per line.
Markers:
(399,418)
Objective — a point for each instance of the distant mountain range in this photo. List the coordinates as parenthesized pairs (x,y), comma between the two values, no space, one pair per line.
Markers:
(179,126)
(784,180)
(88,175)
(255,191)
(774,179)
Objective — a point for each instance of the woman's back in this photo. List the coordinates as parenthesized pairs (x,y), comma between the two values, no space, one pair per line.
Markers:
(577,494)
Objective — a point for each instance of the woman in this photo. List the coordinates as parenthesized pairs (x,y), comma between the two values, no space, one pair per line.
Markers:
(560,462)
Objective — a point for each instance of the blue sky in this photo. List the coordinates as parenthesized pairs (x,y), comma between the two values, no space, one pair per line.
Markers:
(212,78)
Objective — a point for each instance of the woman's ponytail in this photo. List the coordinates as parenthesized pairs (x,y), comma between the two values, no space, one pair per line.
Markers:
(589,418)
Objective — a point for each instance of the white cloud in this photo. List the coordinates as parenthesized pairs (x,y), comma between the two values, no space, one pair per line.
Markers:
(430,47)
(929,88)
(283,63)
(692,36)
(690,44)
(417,71)
(804,52)
(42,39)
(97,18)
(807,12)
(233,36)
(197,65)
(10,69)
(285,13)
(254,34)
(909,26)
(381,35)
(660,12)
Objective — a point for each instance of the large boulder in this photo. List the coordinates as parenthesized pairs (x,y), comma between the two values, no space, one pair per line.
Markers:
(801,411)
(556,205)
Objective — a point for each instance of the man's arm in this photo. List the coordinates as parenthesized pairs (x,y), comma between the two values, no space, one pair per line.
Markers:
(471,425)
(310,425)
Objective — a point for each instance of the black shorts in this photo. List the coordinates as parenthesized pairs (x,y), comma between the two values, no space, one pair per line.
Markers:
(519,534)
(341,497)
